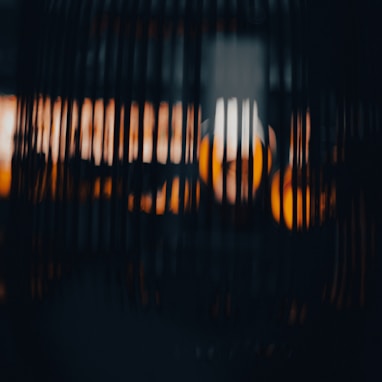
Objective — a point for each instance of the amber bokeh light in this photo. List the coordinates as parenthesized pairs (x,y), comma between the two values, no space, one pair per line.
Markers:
(217,170)
(171,205)
(91,128)
(292,216)
(288,200)
(7,128)
(220,151)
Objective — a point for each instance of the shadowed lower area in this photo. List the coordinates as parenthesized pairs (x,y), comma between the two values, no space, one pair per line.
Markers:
(189,190)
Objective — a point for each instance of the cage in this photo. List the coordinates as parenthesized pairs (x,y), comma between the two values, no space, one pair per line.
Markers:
(191,188)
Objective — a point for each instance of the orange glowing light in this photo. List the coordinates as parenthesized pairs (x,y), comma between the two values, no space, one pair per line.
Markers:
(106,189)
(7,130)
(173,205)
(287,195)
(97,131)
(5,182)
(94,121)
(174,201)
(164,142)
(86,123)
(56,129)
(147,201)
(176,142)
(230,145)
(287,190)
(175,195)
(272,141)
(53,181)
(148,132)
(91,125)
(130,202)
(217,170)
(301,147)
(162,147)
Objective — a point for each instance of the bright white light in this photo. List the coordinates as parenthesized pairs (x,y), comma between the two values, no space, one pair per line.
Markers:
(231,139)
(7,129)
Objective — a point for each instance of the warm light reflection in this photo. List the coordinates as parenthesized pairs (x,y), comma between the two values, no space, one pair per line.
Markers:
(302,201)
(97,128)
(228,145)
(288,200)
(163,204)
(66,128)
(302,148)
(165,144)
(5,180)
(106,190)
(147,201)
(272,143)
(7,129)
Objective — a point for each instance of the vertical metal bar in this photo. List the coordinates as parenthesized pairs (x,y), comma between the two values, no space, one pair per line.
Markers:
(130,47)
(36,255)
(103,219)
(53,65)
(196,102)
(115,234)
(296,113)
(158,92)
(306,168)
(158,41)
(41,162)
(16,156)
(239,175)
(93,204)
(281,101)
(266,34)
(174,22)
(118,201)
(329,162)
(344,252)
(62,167)
(81,52)
(186,73)
(144,21)
(69,92)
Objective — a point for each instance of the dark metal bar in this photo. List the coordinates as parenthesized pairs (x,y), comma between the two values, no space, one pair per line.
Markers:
(68,90)
(128,70)
(116,235)
(282,121)
(212,22)
(107,94)
(306,167)
(144,19)
(92,214)
(80,92)
(196,104)
(296,113)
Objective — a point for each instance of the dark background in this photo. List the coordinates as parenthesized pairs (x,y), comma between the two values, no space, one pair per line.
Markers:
(82,331)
